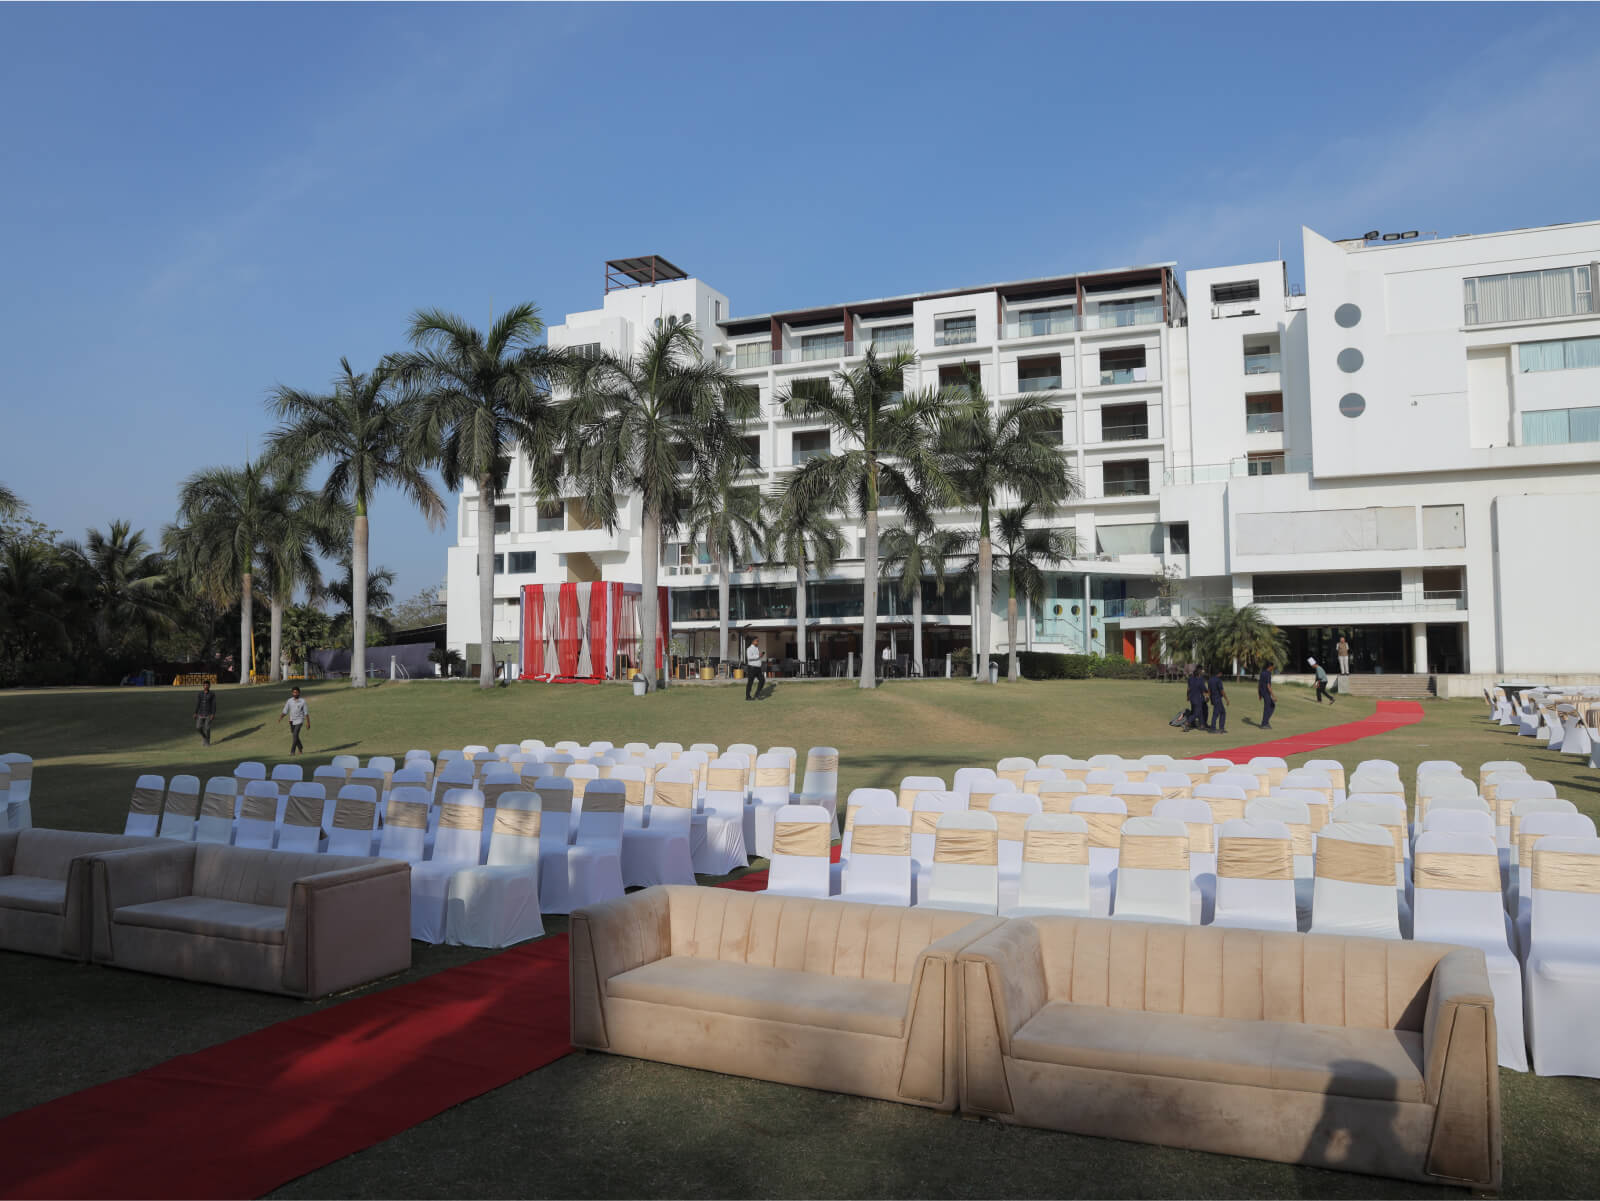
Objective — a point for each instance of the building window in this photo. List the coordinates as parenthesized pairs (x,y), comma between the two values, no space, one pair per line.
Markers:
(1039,375)
(809,389)
(1528,295)
(1567,354)
(1123,365)
(586,350)
(1265,463)
(1261,360)
(499,566)
(752,354)
(1118,540)
(1127,477)
(822,346)
(750,446)
(1178,537)
(1046,424)
(502,474)
(1124,423)
(890,340)
(955,331)
(552,517)
(502,519)
(1557,427)
(1263,414)
(523,562)
(1039,323)
(809,444)
(959,379)
(1234,293)
(1139,311)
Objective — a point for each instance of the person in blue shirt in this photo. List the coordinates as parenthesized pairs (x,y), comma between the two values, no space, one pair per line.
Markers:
(1197,700)
(1268,701)
(1219,709)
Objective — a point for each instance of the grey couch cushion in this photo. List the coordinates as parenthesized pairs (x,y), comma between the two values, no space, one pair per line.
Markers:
(35,893)
(208,916)
(258,877)
(49,853)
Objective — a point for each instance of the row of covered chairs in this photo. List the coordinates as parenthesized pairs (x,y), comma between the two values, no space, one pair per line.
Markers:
(16,791)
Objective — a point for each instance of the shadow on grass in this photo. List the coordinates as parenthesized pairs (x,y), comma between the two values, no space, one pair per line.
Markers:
(238,734)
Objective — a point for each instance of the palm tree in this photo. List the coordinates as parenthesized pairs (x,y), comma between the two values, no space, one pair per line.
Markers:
(659,425)
(801,531)
(33,595)
(128,581)
(10,502)
(378,591)
(884,440)
(225,517)
(471,400)
(303,524)
(360,428)
(1012,450)
(910,552)
(1025,551)
(728,519)
(1223,634)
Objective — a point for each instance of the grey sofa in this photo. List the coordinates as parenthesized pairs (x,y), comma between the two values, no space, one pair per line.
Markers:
(304,925)
(44,889)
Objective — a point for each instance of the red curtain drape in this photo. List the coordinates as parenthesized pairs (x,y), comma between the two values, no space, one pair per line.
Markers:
(568,633)
(599,660)
(532,630)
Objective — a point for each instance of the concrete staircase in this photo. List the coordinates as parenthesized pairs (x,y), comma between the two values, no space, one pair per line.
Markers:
(1399,687)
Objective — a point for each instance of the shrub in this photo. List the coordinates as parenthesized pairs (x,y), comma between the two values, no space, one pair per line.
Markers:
(1041,665)
(1122,669)
(961,659)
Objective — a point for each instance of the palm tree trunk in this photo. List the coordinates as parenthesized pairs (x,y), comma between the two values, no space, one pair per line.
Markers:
(722,609)
(485,583)
(1013,660)
(800,610)
(358,595)
(650,548)
(916,627)
(275,671)
(247,617)
(980,617)
(869,604)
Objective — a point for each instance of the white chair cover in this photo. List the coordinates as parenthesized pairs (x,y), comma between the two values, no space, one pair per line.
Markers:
(1105,781)
(1055,867)
(966,856)
(405,827)
(1196,818)
(1042,778)
(820,785)
(456,845)
(1104,816)
(1533,828)
(286,776)
(217,810)
(770,791)
(1013,770)
(1011,811)
(910,786)
(659,852)
(802,845)
(1153,882)
(879,869)
(144,807)
(497,905)
(1255,877)
(926,811)
(308,810)
(1519,810)
(723,848)
(1225,801)
(594,864)
(257,824)
(355,818)
(966,777)
(1297,816)
(1563,967)
(555,830)
(1355,892)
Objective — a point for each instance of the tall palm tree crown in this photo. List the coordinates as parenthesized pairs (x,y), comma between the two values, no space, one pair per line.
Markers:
(728,518)
(1025,552)
(993,453)
(884,447)
(914,551)
(801,531)
(657,425)
(471,400)
(129,580)
(360,429)
(305,523)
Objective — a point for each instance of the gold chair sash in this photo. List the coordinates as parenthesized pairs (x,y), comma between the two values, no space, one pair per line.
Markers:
(1080,774)
(354,815)
(1320,815)
(1566,871)
(1097,787)
(217,804)
(145,801)
(1139,805)
(923,821)
(303,811)
(1011,825)
(1202,837)
(1398,833)
(1456,871)
(633,792)
(980,800)
(604,802)
(517,823)
(1275,774)
(407,815)
(908,797)
(1014,776)
(259,808)
(1051,801)
(1176,792)
(1105,829)
(1154,852)
(558,769)
(1055,846)
(980,847)
(1225,809)
(725,779)
(824,763)
(1300,838)
(1255,859)
(1134,775)
(771,777)
(579,784)
(182,804)
(493,792)
(805,840)
(460,817)
(21,771)
(881,840)
(675,794)
(603,770)
(1355,862)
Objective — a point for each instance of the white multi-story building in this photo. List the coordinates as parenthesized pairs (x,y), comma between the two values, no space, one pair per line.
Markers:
(1403,454)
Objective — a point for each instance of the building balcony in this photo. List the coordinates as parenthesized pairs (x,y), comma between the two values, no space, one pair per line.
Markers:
(1363,602)
(1128,375)
(1041,383)
(1263,423)
(1143,312)
(1125,433)
(888,349)
(1116,489)
(1233,469)
(1263,364)
(955,337)
(828,350)
(1040,327)
(745,357)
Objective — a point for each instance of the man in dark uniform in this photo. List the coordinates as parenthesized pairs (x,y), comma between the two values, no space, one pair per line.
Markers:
(1197,700)
(1268,701)
(1219,709)
(205,711)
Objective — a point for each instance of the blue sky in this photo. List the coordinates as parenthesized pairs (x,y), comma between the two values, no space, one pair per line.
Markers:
(204,201)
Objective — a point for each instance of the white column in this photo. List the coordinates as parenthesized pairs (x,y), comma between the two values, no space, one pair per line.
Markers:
(1419,647)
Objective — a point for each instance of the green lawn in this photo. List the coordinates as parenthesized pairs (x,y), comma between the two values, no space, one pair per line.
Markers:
(561,1131)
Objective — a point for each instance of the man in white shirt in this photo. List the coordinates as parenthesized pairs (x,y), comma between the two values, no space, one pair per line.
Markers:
(753,673)
(888,662)
(299,716)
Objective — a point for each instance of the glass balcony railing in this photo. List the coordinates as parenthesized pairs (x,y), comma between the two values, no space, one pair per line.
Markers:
(799,456)
(1041,325)
(1123,375)
(1134,487)
(1039,383)
(823,350)
(889,348)
(1115,314)
(1262,364)
(1432,600)
(959,335)
(1263,423)
(1131,432)
(748,356)
(1138,606)
(1221,473)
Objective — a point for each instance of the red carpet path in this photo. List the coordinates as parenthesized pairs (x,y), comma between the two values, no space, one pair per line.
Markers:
(245,1116)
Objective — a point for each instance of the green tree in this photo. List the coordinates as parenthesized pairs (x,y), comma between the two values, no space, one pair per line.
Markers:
(10,503)
(304,524)
(1025,553)
(305,629)
(656,425)
(802,532)
(885,449)
(127,580)
(33,597)
(360,429)
(991,452)
(380,596)
(471,400)
(1224,636)
(422,609)
(911,553)
(728,518)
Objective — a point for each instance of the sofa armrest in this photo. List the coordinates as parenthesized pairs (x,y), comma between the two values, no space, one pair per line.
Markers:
(1462,1076)
(347,927)
(8,851)
(1002,986)
(135,877)
(606,940)
(929,1073)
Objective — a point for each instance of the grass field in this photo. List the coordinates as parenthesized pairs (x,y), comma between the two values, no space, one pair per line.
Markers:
(592,1125)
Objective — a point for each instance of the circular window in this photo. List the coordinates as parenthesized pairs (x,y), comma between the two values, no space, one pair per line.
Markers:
(1347,315)
(1075,610)
(684,320)
(1094,610)
(1352,404)
(658,322)
(1350,360)
(1057,611)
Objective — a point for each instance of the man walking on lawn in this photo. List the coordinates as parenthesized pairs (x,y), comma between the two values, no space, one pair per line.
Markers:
(299,717)
(205,711)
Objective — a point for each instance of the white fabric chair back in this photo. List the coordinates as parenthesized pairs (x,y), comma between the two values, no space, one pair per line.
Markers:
(1055,866)
(801,850)
(144,807)
(1141,797)
(1172,785)
(556,826)
(1246,781)
(1355,890)
(181,808)
(859,800)
(773,778)
(911,785)
(504,750)
(879,868)
(419,753)
(821,781)
(1255,876)
(355,817)
(1056,762)
(286,775)
(1104,781)
(602,814)
(1566,908)
(1509,767)
(1457,821)
(980,794)
(405,827)
(457,773)
(257,825)
(1011,811)
(345,763)
(1226,801)
(1014,770)
(966,777)
(1153,880)
(1041,778)
(218,807)
(1370,781)
(460,835)
(1104,816)
(966,856)
(305,814)
(1270,766)
(331,778)
(1102,761)
(1332,766)
(1057,796)
(926,811)
(1296,815)
(1456,897)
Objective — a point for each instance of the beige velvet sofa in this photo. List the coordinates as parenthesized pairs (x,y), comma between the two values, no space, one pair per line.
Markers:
(302,924)
(44,889)
(852,998)
(1367,1055)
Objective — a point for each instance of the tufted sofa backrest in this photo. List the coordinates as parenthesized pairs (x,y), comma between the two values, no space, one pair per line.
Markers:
(257,877)
(48,854)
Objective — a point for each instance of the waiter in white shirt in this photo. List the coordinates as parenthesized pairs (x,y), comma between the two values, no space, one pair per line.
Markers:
(753,669)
